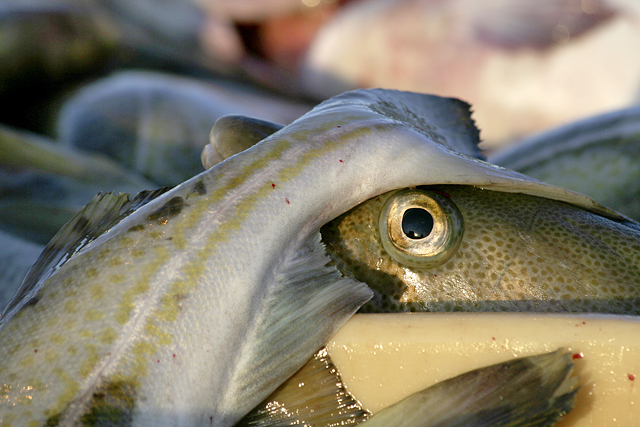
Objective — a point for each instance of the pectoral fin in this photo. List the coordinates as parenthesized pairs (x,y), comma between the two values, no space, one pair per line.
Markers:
(307,302)
(314,396)
(532,391)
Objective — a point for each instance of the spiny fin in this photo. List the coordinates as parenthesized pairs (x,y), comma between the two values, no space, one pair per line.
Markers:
(541,24)
(305,304)
(232,134)
(314,396)
(97,217)
(531,391)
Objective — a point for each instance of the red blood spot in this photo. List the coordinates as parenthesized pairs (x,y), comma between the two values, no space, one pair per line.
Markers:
(631,377)
(442,193)
(577,356)
(273,185)
(338,126)
(158,360)
(174,355)
(435,275)
(286,200)
(341,161)
(493,338)
(35,350)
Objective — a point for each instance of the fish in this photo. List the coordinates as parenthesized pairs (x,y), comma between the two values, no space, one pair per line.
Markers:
(598,156)
(525,67)
(459,248)
(43,185)
(498,251)
(156,124)
(537,271)
(176,306)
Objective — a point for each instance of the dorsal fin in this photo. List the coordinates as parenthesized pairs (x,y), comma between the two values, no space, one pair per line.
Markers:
(446,121)
(314,396)
(232,134)
(96,218)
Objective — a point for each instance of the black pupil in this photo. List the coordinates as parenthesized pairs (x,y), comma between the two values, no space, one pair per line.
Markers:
(417,223)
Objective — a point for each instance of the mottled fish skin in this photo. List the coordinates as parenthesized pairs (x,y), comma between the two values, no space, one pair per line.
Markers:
(177,315)
(517,253)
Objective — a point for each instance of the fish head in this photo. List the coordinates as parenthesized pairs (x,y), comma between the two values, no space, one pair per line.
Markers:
(464,248)
(455,233)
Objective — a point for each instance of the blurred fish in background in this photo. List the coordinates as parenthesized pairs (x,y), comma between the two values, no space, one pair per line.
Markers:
(524,65)
(598,156)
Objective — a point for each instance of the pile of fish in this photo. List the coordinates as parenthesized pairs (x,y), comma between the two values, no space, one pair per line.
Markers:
(157,271)
(221,275)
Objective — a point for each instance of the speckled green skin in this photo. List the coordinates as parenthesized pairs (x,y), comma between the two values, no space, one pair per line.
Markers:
(518,253)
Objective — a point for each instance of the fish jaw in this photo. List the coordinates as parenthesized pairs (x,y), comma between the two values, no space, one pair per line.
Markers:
(186,307)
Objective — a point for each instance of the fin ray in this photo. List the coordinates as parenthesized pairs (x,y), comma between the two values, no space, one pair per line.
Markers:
(96,218)
(533,391)
(315,395)
(307,305)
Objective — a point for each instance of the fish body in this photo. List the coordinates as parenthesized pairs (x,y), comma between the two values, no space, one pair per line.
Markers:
(180,312)
(598,156)
(156,124)
(43,185)
(509,252)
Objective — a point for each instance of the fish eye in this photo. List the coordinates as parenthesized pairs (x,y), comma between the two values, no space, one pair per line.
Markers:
(417,223)
(420,228)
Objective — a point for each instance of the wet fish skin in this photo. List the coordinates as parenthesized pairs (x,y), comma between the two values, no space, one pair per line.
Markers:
(201,281)
(184,273)
(517,253)
(155,123)
(577,262)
